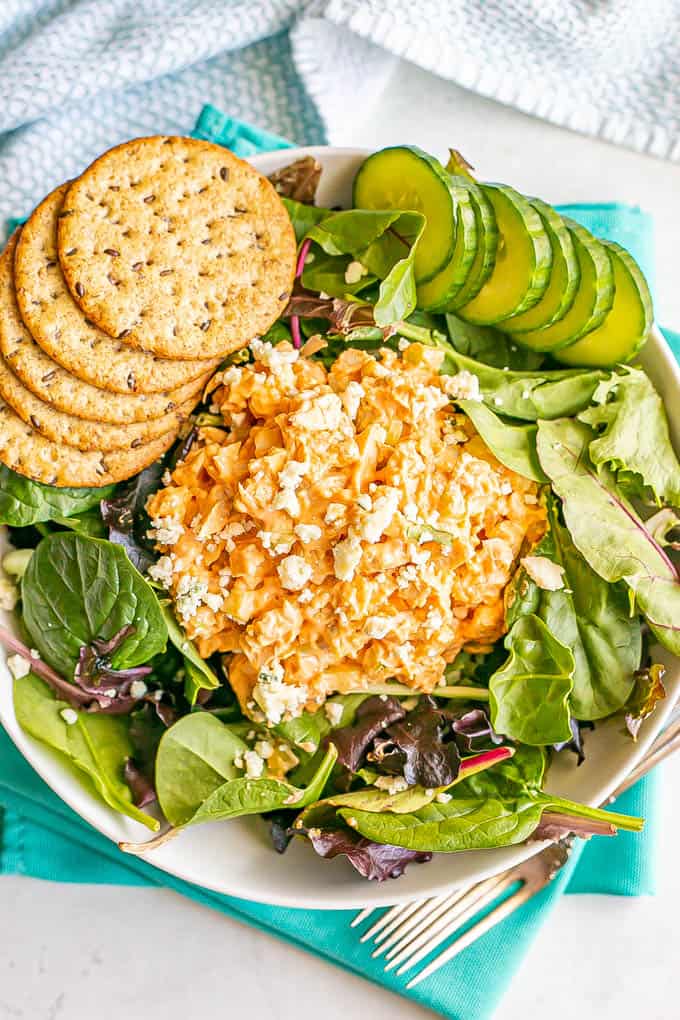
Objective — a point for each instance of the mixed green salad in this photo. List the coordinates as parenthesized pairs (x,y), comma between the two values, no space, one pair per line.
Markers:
(548,320)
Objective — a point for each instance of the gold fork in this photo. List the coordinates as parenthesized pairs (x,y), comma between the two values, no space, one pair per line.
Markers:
(409,932)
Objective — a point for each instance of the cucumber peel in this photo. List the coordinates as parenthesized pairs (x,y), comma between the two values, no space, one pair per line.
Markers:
(592,302)
(627,325)
(564,276)
(442,289)
(523,261)
(404,177)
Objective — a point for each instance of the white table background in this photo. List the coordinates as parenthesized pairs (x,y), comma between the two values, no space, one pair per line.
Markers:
(96,953)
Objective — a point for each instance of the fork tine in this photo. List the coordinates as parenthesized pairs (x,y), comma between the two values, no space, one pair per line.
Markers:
(412,908)
(502,911)
(474,900)
(366,912)
(429,910)
(389,915)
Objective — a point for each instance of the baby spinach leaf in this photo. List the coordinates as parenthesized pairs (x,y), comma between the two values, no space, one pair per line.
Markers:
(197,778)
(513,445)
(78,589)
(97,745)
(199,675)
(632,434)
(529,395)
(305,731)
(304,217)
(489,810)
(591,617)
(606,530)
(490,346)
(397,296)
(23,502)
(195,757)
(239,797)
(529,694)
(88,523)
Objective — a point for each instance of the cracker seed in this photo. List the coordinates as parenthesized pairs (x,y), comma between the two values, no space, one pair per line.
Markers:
(177,181)
(65,334)
(64,391)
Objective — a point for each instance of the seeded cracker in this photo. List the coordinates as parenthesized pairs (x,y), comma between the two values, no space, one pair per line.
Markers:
(24,450)
(77,432)
(62,330)
(54,385)
(177,246)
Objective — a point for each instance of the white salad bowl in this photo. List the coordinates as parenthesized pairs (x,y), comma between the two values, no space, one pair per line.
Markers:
(236,857)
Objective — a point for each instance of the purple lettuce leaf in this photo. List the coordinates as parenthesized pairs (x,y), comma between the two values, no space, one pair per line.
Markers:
(298,180)
(126,518)
(110,689)
(575,744)
(148,723)
(372,717)
(343,316)
(375,861)
(280,828)
(419,748)
(473,730)
(141,786)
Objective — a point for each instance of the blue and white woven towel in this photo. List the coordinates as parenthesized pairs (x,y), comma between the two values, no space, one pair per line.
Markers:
(77,76)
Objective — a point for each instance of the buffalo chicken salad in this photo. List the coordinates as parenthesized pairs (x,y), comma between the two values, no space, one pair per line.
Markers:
(418,538)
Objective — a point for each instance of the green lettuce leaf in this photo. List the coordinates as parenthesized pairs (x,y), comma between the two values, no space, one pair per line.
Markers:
(384,242)
(633,438)
(606,530)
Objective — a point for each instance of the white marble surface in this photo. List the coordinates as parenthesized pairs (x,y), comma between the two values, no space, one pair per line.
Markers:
(83,952)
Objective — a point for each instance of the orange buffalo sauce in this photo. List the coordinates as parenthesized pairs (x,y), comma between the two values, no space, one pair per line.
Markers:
(346,527)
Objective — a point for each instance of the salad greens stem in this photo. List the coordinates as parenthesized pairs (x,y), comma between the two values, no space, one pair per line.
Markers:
(402,691)
(41,669)
(299,267)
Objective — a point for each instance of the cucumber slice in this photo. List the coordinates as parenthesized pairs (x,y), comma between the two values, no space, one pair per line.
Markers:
(487,247)
(404,177)
(594,297)
(523,261)
(564,277)
(627,326)
(443,288)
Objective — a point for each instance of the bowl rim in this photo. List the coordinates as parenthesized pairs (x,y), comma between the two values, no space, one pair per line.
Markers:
(86,805)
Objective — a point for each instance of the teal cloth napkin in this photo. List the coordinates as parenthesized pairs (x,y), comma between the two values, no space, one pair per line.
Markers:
(42,837)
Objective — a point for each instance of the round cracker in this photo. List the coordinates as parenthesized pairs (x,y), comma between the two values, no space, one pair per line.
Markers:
(54,385)
(177,246)
(84,435)
(24,450)
(60,328)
